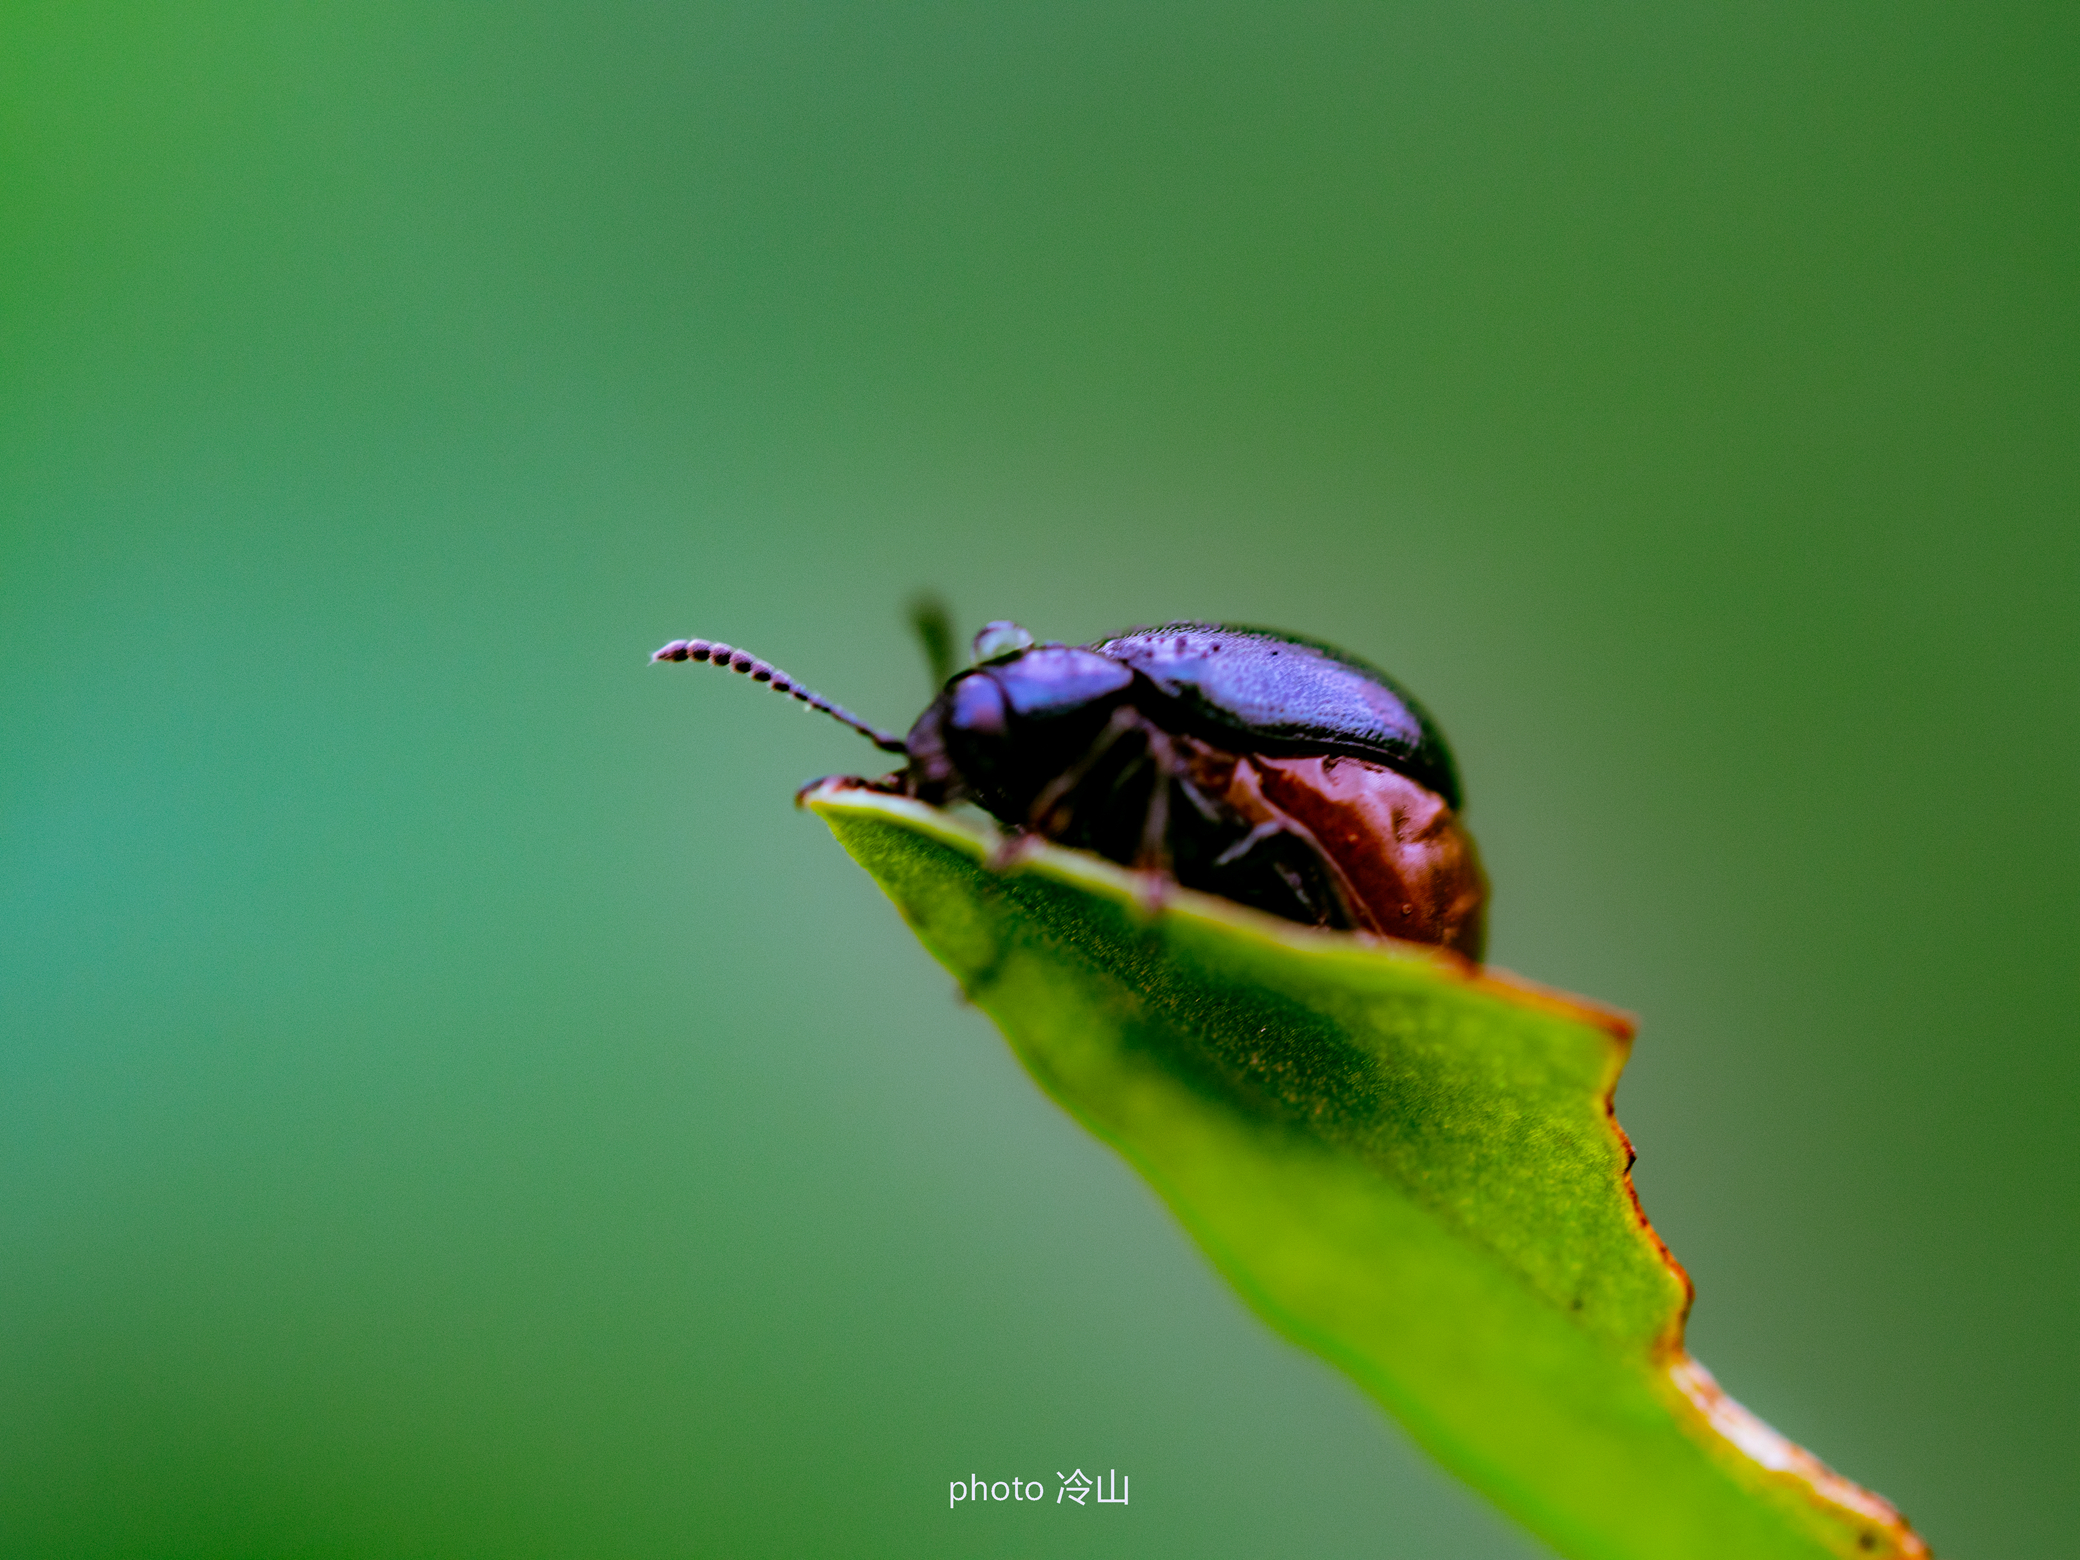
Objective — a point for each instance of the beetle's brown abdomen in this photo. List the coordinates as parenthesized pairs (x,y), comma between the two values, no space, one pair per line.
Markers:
(1411,868)
(1406,867)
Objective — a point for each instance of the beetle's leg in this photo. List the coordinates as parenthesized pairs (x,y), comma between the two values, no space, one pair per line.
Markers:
(1250,841)
(1298,886)
(1005,854)
(1123,720)
(1205,805)
(1356,913)
(1273,828)
(1154,855)
(1204,775)
(1153,879)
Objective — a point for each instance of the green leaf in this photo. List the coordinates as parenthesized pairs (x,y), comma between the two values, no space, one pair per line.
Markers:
(1404,1163)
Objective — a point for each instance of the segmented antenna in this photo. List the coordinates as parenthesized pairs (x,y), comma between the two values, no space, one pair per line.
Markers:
(716,653)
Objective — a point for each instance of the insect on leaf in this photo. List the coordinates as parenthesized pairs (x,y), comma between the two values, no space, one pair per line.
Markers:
(1402,1162)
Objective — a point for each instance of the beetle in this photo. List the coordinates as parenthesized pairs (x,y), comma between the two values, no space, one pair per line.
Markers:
(1270,769)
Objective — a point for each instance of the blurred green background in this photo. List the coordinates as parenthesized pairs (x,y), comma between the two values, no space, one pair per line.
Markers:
(450,1104)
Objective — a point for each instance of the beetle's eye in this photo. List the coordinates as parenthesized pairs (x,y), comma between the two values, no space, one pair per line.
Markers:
(978,706)
(1001,638)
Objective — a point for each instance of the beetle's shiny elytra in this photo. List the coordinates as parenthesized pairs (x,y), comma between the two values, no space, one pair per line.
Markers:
(1272,770)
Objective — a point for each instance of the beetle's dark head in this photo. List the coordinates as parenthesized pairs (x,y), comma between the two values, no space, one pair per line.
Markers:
(1023,715)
